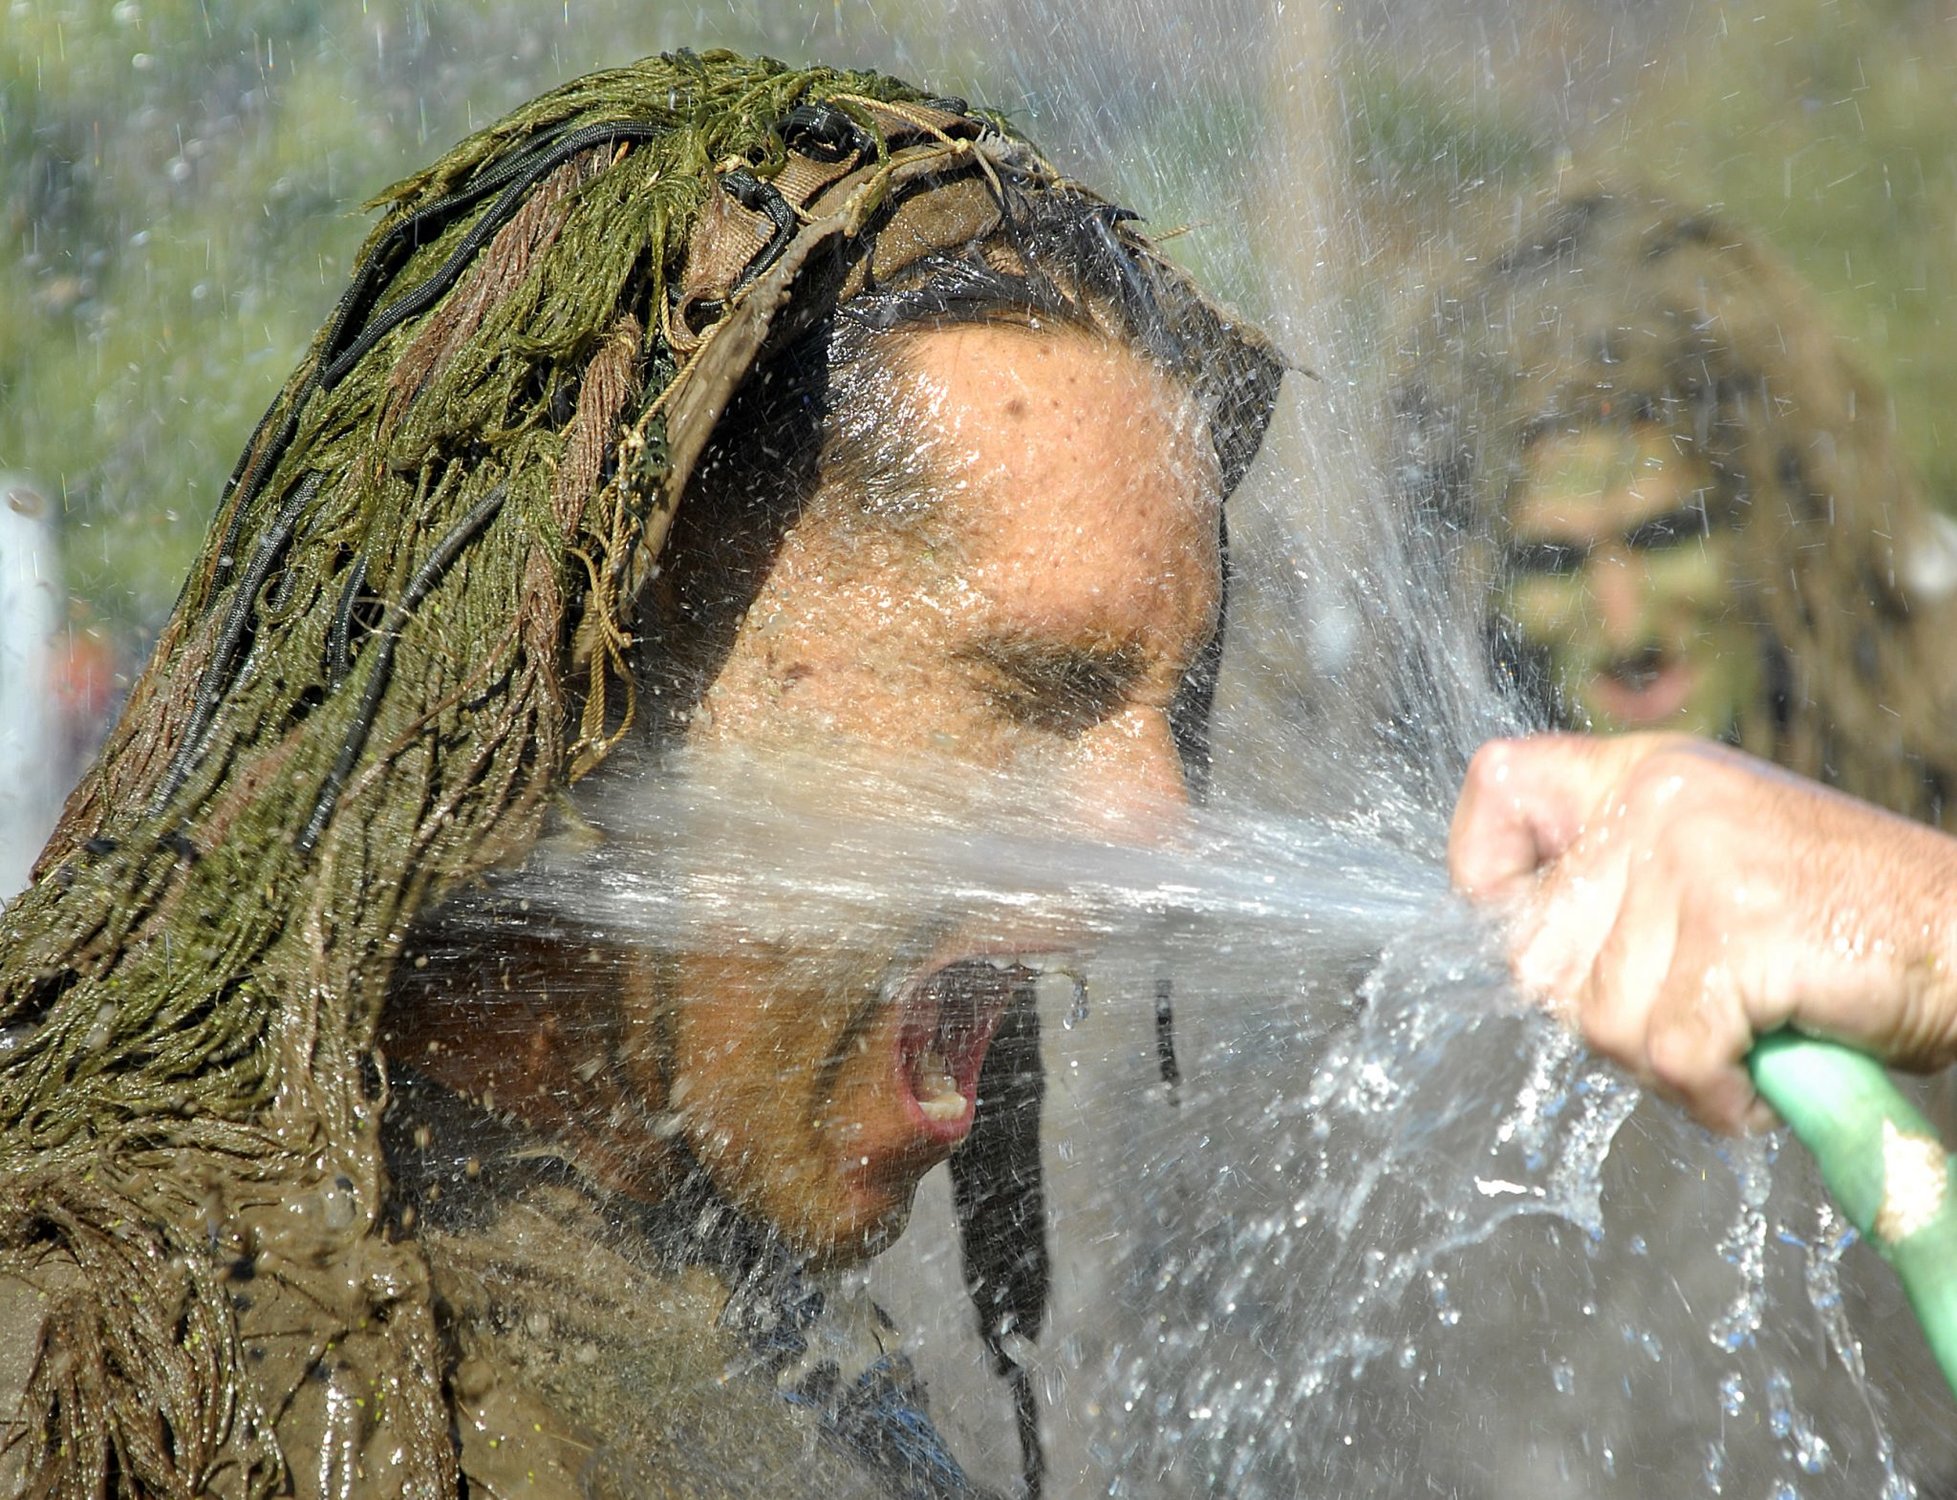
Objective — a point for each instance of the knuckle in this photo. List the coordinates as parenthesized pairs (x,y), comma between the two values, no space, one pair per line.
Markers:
(1609,1027)
(1489,766)
(1675,1056)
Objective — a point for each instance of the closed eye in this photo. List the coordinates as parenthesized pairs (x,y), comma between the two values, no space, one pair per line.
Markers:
(1055,687)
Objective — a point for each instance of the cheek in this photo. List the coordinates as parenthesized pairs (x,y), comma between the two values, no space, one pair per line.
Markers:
(1548,611)
(1689,580)
(892,691)
(770,1012)
(888,704)
(1729,668)
(849,662)
(735,1032)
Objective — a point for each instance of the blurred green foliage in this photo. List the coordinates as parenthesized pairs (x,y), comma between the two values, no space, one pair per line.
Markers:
(180,191)
(174,225)
(1168,172)
(1831,128)
(1406,138)
(180,180)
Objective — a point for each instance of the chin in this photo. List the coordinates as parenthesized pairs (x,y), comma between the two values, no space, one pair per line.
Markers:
(822,1202)
(833,1217)
(847,1233)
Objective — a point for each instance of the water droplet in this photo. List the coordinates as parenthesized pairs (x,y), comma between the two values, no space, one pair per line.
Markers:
(99,1033)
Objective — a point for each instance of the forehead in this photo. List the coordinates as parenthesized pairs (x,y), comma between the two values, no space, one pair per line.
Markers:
(1600,480)
(1065,454)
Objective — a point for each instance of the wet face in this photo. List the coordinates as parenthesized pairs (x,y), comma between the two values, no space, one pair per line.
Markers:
(1029,623)
(1618,574)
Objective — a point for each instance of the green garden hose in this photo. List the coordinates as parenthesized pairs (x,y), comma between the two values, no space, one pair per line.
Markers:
(1883,1163)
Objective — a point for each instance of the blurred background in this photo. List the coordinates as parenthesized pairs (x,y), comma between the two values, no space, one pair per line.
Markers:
(181,191)
(181,180)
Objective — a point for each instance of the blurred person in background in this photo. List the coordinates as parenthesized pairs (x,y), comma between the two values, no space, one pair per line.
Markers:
(1687,508)
(1686,523)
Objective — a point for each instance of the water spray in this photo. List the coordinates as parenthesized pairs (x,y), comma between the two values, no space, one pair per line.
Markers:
(1883,1163)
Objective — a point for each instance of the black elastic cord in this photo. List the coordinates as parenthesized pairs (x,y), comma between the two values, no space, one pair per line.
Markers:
(426,577)
(1165,1038)
(336,363)
(217,674)
(254,479)
(515,175)
(535,160)
(339,640)
(1026,1415)
(763,198)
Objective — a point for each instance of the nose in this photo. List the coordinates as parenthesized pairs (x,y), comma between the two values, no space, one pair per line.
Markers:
(1614,587)
(1128,776)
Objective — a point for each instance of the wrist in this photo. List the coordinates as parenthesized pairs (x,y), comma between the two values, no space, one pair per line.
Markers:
(1927,1037)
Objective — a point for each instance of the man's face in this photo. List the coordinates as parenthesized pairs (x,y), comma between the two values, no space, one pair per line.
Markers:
(1617,571)
(1032,629)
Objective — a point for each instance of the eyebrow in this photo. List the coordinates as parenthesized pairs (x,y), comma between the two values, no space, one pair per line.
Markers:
(1064,686)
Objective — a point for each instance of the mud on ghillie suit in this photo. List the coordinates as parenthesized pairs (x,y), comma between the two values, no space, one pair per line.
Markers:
(1614,306)
(408,633)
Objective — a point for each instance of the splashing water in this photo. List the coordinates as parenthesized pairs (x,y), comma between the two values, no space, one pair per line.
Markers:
(1394,1233)
(1389,1207)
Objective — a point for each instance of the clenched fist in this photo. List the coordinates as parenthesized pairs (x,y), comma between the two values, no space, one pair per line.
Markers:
(1676,899)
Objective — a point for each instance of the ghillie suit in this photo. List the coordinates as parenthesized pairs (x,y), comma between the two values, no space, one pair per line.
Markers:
(1613,306)
(408,632)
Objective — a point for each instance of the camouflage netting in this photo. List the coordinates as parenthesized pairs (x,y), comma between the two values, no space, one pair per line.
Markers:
(1613,306)
(405,636)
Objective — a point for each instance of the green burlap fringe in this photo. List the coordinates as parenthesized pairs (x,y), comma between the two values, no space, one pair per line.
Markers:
(372,686)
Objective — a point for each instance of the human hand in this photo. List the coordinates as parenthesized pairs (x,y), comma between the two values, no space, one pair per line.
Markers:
(1675,899)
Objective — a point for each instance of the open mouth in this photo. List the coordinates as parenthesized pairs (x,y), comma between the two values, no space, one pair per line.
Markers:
(1643,687)
(1638,671)
(949,1019)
